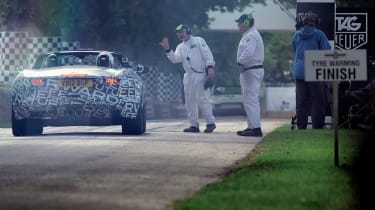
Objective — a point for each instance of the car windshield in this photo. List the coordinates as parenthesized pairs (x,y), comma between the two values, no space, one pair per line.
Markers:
(51,60)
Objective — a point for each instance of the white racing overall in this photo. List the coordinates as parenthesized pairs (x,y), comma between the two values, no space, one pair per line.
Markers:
(195,56)
(251,53)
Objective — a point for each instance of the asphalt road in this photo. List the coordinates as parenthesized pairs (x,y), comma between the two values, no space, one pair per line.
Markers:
(96,168)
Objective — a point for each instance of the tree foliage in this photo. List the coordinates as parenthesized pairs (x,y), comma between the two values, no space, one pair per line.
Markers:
(135,27)
(132,26)
(339,3)
(279,55)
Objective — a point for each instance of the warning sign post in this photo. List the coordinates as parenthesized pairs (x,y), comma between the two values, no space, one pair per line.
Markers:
(336,66)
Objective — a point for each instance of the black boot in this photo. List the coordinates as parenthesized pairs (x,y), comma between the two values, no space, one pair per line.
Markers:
(257,132)
(191,129)
(239,132)
(210,128)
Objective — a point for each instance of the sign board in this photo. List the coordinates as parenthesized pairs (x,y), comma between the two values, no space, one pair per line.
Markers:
(335,65)
(351,30)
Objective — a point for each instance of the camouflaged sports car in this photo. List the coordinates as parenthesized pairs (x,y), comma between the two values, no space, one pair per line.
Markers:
(69,88)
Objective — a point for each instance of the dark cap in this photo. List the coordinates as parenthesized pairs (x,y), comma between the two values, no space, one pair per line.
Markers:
(242,18)
(182,27)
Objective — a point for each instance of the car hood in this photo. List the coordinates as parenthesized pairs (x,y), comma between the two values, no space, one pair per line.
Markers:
(76,70)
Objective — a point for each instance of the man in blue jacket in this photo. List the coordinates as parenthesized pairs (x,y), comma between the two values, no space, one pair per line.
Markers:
(310,96)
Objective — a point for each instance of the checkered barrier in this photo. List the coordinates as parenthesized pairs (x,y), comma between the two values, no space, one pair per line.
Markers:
(70,45)
(13,46)
(150,90)
(162,86)
(150,79)
(38,45)
(162,89)
(20,49)
(169,87)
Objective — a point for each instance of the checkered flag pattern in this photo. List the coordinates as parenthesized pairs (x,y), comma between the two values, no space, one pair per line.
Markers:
(13,53)
(162,86)
(150,79)
(161,89)
(19,49)
(150,89)
(169,87)
(70,45)
(38,45)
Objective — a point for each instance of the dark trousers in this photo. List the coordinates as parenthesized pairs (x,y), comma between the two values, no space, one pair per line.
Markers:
(310,100)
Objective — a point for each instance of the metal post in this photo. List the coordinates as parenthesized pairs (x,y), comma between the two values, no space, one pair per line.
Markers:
(335,121)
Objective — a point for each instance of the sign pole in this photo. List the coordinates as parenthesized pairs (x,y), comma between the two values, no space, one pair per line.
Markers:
(335,66)
(335,121)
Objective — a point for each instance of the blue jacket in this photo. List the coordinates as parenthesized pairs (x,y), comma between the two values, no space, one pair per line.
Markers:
(307,38)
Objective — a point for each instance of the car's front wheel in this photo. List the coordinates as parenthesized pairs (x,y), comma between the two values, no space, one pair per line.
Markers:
(135,126)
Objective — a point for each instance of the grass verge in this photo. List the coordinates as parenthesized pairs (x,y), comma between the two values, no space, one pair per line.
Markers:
(293,170)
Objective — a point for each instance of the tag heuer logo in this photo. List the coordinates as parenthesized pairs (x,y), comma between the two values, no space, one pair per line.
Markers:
(351,30)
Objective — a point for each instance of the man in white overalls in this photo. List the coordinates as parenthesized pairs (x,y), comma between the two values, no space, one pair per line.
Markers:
(198,63)
(250,56)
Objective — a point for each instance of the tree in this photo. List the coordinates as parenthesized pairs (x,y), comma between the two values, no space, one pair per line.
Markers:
(135,27)
(131,26)
(339,3)
(14,14)
(279,53)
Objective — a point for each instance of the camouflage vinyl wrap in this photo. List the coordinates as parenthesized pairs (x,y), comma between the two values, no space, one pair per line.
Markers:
(100,100)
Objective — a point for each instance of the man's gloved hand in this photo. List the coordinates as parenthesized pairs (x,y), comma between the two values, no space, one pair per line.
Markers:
(209,83)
